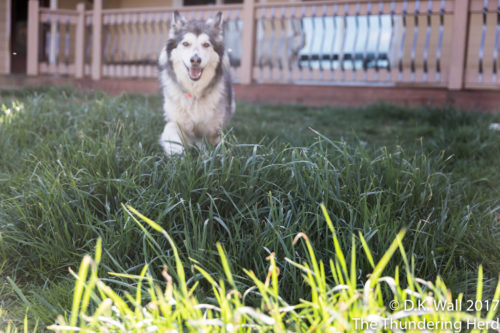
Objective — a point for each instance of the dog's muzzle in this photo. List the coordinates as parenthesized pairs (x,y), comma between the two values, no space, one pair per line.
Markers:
(195,70)
(195,73)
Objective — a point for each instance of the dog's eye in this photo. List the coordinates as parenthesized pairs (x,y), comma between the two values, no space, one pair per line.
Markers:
(205,45)
(186,44)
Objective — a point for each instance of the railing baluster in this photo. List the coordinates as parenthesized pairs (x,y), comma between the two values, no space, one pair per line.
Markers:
(58,37)
(66,44)
(322,46)
(128,24)
(481,46)
(145,42)
(56,46)
(138,40)
(106,29)
(52,54)
(313,39)
(115,35)
(238,44)
(415,37)
(427,38)
(238,22)
(136,44)
(293,23)
(272,56)
(355,42)
(379,34)
(334,41)
(261,43)
(162,31)
(115,46)
(391,40)
(135,39)
(123,43)
(142,38)
(152,41)
(302,29)
(282,49)
(367,39)
(88,46)
(119,37)
(440,42)
(269,52)
(47,40)
(342,44)
(155,43)
(402,45)
(495,50)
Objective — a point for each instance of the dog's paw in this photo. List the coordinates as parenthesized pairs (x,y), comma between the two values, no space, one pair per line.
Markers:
(171,141)
(172,148)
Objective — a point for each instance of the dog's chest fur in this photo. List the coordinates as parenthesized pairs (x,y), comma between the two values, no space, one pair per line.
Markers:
(197,115)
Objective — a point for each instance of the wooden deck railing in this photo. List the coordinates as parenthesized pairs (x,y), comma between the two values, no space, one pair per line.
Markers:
(436,43)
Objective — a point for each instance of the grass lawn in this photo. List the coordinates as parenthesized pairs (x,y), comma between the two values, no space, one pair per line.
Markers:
(68,161)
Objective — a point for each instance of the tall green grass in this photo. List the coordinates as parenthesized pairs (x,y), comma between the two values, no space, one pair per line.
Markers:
(340,300)
(70,160)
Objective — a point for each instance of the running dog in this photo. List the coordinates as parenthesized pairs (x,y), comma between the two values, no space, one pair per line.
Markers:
(198,98)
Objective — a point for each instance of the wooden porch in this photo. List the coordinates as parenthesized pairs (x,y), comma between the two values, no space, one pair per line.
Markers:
(332,52)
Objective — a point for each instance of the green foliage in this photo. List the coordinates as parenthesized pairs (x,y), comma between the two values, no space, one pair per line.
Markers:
(340,300)
(68,161)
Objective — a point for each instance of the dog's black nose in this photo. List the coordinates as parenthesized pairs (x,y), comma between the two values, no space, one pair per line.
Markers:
(195,60)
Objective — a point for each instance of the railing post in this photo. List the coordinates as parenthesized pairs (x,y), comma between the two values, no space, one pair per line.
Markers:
(53,49)
(97,40)
(247,45)
(80,41)
(33,26)
(458,45)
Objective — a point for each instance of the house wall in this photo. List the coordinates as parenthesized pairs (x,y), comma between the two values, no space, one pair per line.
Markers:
(68,4)
(4,36)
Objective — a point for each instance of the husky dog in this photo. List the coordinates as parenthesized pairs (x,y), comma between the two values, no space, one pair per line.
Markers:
(198,97)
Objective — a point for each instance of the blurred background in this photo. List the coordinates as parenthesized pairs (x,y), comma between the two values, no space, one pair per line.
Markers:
(446,46)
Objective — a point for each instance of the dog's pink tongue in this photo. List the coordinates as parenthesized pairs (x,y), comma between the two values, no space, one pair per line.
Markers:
(195,72)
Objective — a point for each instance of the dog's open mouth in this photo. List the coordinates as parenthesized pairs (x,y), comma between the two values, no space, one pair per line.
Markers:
(195,73)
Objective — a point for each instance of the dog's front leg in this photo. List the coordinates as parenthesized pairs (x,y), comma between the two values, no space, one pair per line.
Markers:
(215,137)
(171,140)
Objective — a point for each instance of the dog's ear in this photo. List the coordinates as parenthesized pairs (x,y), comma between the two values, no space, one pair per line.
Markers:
(216,22)
(177,21)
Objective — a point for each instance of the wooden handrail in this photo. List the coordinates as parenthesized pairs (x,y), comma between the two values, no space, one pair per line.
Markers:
(448,8)
(171,9)
(46,10)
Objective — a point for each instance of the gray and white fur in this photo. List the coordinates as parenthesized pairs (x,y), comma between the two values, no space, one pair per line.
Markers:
(198,98)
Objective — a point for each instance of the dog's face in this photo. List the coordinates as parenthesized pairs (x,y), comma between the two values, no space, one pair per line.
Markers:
(194,47)
(196,53)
